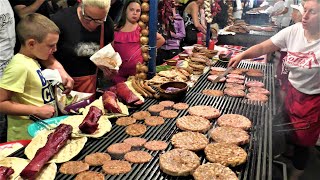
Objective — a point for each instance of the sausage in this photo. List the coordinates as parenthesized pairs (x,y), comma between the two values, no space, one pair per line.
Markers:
(148,88)
(137,88)
(143,88)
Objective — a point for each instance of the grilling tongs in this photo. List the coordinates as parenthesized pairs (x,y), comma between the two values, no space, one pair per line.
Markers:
(223,74)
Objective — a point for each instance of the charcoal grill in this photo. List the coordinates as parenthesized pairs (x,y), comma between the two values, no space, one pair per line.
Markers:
(258,165)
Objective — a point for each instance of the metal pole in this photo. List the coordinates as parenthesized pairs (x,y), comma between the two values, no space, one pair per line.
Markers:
(153,16)
(208,34)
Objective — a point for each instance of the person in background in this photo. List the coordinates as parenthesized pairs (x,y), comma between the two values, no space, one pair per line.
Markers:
(283,15)
(171,47)
(127,40)
(24,91)
(80,38)
(302,63)
(115,10)
(297,12)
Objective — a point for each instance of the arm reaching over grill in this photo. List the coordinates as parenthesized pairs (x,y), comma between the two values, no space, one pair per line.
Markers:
(90,123)
(56,140)
(5,172)
(110,102)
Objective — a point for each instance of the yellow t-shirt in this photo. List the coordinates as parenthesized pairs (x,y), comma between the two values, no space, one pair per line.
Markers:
(23,77)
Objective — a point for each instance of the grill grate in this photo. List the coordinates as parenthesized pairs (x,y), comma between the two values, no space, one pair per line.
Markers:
(258,148)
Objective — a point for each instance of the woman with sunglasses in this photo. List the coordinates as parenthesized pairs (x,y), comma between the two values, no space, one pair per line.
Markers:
(80,38)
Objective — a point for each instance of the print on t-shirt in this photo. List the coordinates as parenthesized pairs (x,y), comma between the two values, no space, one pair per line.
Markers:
(46,91)
(5,19)
(299,59)
(85,49)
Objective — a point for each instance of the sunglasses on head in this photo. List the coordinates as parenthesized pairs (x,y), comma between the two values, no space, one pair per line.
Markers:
(88,18)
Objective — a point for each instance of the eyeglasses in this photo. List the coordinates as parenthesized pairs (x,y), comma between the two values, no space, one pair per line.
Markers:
(88,18)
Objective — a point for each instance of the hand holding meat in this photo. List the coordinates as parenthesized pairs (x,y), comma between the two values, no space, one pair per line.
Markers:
(45,111)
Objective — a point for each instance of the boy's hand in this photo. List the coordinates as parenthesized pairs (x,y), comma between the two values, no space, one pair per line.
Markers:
(45,112)
(67,82)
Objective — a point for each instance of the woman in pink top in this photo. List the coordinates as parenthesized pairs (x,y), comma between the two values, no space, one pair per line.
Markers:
(127,40)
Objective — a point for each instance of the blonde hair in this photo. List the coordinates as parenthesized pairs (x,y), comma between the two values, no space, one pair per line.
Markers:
(35,26)
(102,4)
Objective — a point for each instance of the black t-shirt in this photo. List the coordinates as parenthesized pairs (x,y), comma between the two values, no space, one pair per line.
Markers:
(76,44)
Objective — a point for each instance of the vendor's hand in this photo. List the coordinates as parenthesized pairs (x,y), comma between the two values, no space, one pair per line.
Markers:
(108,73)
(233,62)
(45,111)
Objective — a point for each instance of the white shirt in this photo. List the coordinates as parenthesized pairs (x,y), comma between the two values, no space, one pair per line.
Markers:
(7,34)
(303,59)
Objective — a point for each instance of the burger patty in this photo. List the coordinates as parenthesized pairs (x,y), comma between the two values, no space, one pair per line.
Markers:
(212,92)
(259,90)
(125,121)
(257,97)
(156,145)
(155,109)
(154,120)
(136,129)
(214,171)
(115,167)
(214,77)
(234,92)
(207,112)
(167,104)
(89,175)
(235,85)
(193,123)
(73,167)
(138,157)
(179,162)
(141,115)
(236,71)
(218,69)
(237,76)
(225,154)
(230,135)
(119,148)
(214,72)
(234,120)
(135,141)
(235,80)
(189,140)
(97,159)
(254,84)
(180,106)
(254,73)
(169,113)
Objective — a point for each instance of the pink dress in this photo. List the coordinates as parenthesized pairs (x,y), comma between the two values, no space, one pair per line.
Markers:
(127,44)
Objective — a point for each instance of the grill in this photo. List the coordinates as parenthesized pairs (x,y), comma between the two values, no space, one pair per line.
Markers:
(258,165)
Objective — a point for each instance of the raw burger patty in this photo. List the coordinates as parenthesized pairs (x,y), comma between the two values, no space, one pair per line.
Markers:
(259,90)
(218,69)
(135,141)
(125,121)
(166,104)
(180,106)
(141,115)
(225,154)
(234,120)
(213,72)
(254,84)
(234,92)
(189,140)
(138,157)
(179,162)
(257,97)
(97,159)
(236,71)
(207,112)
(214,171)
(73,167)
(155,108)
(237,76)
(193,123)
(119,148)
(89,175)
(169,113)
(136,129)
(235,80)
(213,77)
(230,135)
(115,167)
(212,92)
(156,145)
(235,85)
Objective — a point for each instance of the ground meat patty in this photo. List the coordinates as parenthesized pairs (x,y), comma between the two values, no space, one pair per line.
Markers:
(235,80)
(254,84)
(254,73)
(73,167)
(225,154)
(212,92)
(257,97)
(115,167)
(214,171)
(179,162)
(156,145)
(230,135)
(141,115)
(97,159)
(204,111)
(234,120)
(213,72)
(136,129)
(214,77)
(135,142)
(169,113)
(155,109)
(235,85)
(154,120)
(234,92)
(138,157)
(218,69)
(237,76)
(192,141)
(118,149)
(180,106)
(236,71)
(89,175)
(125,121)
(259,90)
(193,123)
(167,104)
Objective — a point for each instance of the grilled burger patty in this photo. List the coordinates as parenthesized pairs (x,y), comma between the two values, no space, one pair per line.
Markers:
(234,120)
(89,175)
(230,135)
(154,120)
(125,121)
(156,145)
(212,92)
(137,157)
(234,92)
(259,90)
(169,113)
(254,84)
(180,106)
(135,141)
(97,159)
(193,123)
(141,115)
(214,171)
(73,167)
(189,140)
(225,154)
(115,167)
(179,162)
(136,129)
(207,112)
(257,97)
(235,85)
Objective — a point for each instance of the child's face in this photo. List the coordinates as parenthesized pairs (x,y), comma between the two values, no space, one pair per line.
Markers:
(133,12)
(42,50)
(296,16)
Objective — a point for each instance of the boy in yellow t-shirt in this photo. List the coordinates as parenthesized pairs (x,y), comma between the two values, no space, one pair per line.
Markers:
(24,90)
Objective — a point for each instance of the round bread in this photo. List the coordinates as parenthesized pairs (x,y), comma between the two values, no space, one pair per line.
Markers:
(214,77)
(230,135)
(259,90)
(180,106)
(125,121)
(73,167)
(154,120)
(254,84)
(156,145)
(155,109)
(169,113)
(135,142)
(138,157)
(71,149)
(116,167)
(141,115)
(189,140)
(167,104)
(89,175)
(257,97)
(136,129)
(234,120)
(97,159)
(207,112)
(225,154)
(214,171)
(235,80)
(234,92)
(179,162)
(212,92)
(193,123)
(118,149)
(235,85)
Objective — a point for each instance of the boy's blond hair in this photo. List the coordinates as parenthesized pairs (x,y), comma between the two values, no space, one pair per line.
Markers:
(102,4)
(35,26)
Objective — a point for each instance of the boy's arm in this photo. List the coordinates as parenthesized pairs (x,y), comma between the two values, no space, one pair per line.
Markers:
(13,108)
